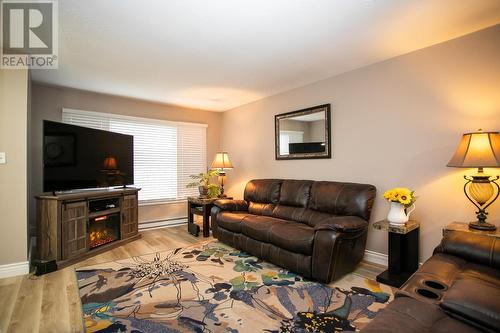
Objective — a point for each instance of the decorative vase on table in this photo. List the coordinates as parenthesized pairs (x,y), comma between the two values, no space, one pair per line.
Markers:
(402,204)
(203,189)
(398,214)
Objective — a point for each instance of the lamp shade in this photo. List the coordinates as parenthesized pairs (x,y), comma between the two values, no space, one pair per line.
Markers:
(477,150)
(221,162)
(110,163)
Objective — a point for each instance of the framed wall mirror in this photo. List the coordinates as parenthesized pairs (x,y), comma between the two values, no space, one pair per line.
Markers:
(303,134)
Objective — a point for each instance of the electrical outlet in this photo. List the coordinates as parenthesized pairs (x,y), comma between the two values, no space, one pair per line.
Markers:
(3,158)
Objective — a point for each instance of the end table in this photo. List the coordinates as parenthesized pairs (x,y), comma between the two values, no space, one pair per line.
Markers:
(200,206)
(403,252)
(464,227)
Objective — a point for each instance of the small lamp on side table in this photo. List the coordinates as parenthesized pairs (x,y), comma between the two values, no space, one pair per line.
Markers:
(479,150)
(222,163)
(110,170)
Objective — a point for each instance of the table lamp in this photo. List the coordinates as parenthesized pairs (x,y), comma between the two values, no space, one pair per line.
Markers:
(221,163)
(110,170)
(110,163)
(479,150)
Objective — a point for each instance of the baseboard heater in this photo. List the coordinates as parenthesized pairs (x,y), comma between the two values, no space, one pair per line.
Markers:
(156,224)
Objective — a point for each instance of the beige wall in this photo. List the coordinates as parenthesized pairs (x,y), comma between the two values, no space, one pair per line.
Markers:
(48,102)
(395,123)
(13,175)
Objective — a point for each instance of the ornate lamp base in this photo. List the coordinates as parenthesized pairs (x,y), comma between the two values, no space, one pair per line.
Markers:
(222,176)
(482,226)
(480,191)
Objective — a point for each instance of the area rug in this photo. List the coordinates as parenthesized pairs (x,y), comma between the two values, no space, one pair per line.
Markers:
(212,287)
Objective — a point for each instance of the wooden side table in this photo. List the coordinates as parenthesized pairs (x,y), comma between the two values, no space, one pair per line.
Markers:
(403,252)
(200,206)
(464,227)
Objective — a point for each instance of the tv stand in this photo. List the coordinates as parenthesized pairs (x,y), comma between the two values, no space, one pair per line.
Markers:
(75,225)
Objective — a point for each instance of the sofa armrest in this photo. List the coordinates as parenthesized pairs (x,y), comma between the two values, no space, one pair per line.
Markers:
(336,253)
(232,205)
(342,224)
(481,249)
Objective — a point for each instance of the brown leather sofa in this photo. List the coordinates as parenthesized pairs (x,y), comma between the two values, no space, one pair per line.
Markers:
(456,290)
(317,229)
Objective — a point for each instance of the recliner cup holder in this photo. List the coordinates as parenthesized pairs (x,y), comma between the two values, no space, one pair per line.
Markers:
(427,293)
(435,285)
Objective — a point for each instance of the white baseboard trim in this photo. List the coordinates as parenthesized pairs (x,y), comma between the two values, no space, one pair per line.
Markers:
(376,258)
(150,225)
(18,268)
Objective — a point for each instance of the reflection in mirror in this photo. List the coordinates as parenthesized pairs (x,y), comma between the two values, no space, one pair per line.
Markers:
(304,133)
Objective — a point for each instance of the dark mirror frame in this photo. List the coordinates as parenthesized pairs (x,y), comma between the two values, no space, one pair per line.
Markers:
(297,156)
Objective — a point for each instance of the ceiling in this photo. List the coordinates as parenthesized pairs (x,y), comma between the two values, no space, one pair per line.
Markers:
(219,54)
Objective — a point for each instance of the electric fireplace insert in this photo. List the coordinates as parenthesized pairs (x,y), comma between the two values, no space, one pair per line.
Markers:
(103,229)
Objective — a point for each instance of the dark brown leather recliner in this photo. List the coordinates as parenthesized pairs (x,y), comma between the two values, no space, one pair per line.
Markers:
(315,228)
(456,290)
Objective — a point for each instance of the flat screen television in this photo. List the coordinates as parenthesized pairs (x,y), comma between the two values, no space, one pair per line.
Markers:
(76,157)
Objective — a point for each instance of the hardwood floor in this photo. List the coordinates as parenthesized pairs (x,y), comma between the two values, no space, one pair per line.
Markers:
(50,303)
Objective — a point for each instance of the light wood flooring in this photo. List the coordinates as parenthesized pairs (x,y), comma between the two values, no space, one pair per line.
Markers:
(50,303)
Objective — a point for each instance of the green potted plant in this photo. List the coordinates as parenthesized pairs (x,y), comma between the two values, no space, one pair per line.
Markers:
(202,181)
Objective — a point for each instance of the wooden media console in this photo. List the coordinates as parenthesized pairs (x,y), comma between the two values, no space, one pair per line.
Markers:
(73,226)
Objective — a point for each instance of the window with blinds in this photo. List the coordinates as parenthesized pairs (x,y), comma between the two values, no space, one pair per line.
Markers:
(165,153)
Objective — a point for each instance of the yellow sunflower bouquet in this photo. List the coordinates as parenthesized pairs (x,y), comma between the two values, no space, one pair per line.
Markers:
(404,196)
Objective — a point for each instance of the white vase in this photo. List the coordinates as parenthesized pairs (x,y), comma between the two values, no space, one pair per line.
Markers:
(398,215)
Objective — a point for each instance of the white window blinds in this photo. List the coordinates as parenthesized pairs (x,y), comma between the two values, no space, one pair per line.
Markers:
(165,153)
(191,154)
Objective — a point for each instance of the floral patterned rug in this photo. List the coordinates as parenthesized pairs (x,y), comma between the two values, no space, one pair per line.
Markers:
(212,287)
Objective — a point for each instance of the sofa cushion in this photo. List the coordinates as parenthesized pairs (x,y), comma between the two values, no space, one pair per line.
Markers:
(259,227)
(342,198)
(411,316)
(263,190)
(231,220)
(295,192)
(293,236)
(257,208)
(289,213)
(475,301)
(328,221)
(484,273)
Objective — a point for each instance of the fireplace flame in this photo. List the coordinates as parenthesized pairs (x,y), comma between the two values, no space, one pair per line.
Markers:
(102,230)
(95,235)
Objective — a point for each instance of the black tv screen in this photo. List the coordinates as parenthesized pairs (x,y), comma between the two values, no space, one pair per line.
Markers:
(306,147)
(76,157)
